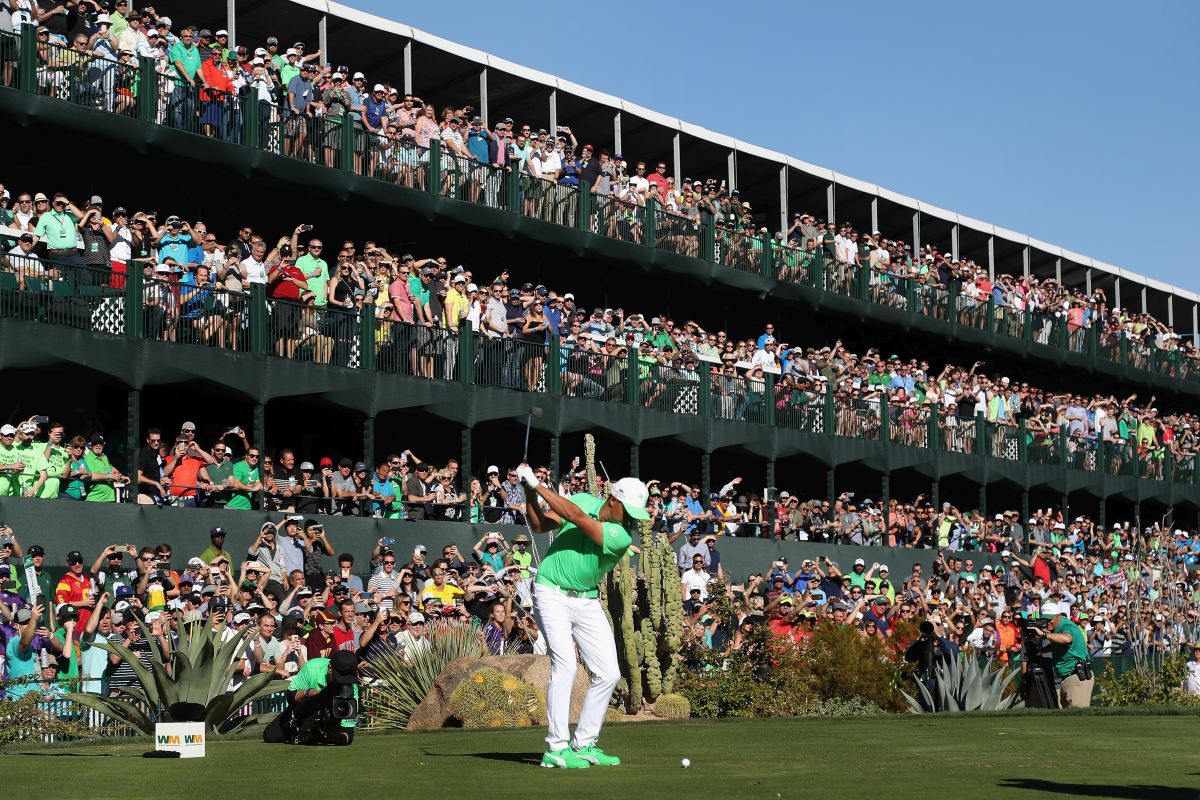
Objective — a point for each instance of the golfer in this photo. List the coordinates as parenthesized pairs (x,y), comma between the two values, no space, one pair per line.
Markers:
(593,535)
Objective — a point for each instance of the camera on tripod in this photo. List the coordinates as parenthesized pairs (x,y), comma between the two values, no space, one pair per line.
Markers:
(1031,630)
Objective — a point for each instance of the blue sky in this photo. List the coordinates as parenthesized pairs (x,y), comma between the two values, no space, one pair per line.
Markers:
(1073,122)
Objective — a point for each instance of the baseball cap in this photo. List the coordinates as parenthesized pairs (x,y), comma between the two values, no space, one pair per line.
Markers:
(8,430)
(36,550)
(633,494)
(1050,609)
(215,532)
(493,468)
(415,617)
(858,562)
(379,87)
(188,426)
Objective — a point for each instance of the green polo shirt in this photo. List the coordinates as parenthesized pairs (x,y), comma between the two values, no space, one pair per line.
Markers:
(99,492)
(1067,656)
(31,454)
(57,230)
(9,481)
(187,55)
(306,264)
(576,562)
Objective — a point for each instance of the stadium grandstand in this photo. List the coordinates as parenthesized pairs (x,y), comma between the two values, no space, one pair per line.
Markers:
(302,235)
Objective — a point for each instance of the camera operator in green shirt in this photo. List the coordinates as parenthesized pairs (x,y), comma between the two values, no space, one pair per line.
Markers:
(1068,649)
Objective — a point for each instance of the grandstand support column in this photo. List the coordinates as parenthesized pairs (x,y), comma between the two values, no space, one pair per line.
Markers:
(323,38)
(555,456)
(875,214)
(1066,505)
(991,258)
(1058,272)
(705,475)
(408,81)
(466,466)
(731,166)
(1195,324)
(830,483)
(635,460)
(617,133)
(885,493)
(983,500)
(133,429)
(831,202)
(784,222)
(368,441)
(1101,513)
(553,114)
(1025,513)
(1087,280)
(916,242)
(1144,293)
(1171,310)
(259,439)
(935,496)
(1116,298)
(483,98)
(1026,257)
(231,21)
(677,156)
(954,241)
(769,492)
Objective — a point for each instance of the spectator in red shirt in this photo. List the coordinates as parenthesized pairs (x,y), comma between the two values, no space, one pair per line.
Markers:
(345,632)
(285,281)
(76,587)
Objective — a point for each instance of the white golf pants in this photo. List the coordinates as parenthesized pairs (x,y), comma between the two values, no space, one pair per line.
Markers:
(567,623)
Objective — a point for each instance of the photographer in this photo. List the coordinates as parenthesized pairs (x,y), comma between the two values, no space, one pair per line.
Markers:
(929,649)
(322,703)
(1068,649)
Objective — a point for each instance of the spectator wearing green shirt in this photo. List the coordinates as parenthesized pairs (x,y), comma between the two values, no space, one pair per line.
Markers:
(245,480)
(29,454)
(55,459)
(57,228)
(315,269)
(185,65)
(101,475)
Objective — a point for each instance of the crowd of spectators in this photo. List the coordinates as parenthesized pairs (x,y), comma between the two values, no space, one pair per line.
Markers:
(204,79)
(1129,590)
(287,590)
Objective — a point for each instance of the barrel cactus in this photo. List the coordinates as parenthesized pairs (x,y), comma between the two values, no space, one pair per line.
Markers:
(493,699)
(672,706)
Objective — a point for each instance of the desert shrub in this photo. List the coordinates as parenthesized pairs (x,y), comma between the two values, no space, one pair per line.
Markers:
(30,719)
(1159,684)
(762,678)
(854,707)
(838,664)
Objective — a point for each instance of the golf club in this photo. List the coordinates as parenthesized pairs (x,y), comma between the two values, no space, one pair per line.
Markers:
(534,411)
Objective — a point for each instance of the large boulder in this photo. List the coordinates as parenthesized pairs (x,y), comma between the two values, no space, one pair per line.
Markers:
(434,710)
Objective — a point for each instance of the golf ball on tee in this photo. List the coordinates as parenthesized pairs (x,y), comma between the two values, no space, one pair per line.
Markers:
(687,762)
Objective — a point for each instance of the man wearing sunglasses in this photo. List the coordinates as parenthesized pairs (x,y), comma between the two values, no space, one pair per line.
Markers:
(592,535)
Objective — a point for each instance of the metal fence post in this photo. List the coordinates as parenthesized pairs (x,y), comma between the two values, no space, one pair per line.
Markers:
(27,67)
(147,91)
(346,138)
(134,309)
(584,209)
(554,367)
(769,399)
(434,184)
(708,239)
(366,338)
(633,386)
(651,224)
(258,319)
(466,353)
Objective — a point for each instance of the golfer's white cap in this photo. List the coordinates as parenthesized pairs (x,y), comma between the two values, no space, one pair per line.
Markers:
(633,494)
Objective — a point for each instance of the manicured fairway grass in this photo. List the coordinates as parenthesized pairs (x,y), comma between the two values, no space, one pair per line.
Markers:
(1020,755)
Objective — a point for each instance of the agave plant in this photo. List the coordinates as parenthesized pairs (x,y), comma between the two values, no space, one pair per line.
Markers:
(967,684)
(192,677)
(398,684)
